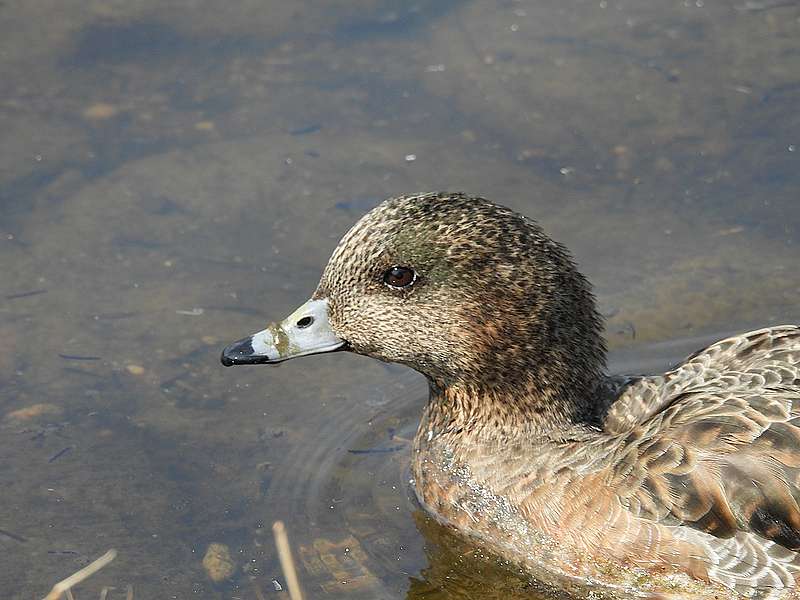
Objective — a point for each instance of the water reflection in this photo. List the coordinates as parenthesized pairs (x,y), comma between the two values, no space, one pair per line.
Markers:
(457,569)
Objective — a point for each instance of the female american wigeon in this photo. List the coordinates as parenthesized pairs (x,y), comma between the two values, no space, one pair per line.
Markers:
(681,485)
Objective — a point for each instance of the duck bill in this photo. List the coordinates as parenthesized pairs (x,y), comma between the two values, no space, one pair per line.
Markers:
(306,331)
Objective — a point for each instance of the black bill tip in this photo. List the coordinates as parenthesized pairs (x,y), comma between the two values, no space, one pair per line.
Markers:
(242,353)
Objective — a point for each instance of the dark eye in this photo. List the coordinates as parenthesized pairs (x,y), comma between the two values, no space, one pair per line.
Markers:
(399,277)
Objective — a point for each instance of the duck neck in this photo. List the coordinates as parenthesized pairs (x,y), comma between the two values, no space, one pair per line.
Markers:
(529,412)
(549,396)
(533,360)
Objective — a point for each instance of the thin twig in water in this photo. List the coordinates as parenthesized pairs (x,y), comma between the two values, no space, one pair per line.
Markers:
(287,563)
(64,585)
(13,536)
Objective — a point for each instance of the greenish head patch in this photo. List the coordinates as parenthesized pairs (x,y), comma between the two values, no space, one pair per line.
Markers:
(418,248)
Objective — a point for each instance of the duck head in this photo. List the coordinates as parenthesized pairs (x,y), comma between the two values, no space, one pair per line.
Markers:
(467,292)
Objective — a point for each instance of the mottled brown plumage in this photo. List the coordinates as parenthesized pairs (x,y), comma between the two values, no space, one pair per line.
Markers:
(679,485)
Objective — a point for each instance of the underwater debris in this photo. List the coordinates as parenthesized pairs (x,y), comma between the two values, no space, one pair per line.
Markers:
(287,562)
(63,587)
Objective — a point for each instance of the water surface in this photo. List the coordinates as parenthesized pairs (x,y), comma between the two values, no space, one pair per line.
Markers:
(173,176)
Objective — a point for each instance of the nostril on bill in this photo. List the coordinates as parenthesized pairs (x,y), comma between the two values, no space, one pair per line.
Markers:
(305,322)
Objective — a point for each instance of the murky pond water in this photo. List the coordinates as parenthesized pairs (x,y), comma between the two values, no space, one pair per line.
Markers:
(174,175)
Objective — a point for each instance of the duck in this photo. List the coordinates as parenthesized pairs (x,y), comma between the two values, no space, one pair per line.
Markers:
(678,485)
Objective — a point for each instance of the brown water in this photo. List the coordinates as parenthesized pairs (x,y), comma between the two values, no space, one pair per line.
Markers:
(174,175)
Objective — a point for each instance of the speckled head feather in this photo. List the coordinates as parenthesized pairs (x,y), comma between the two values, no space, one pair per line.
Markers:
(498,308)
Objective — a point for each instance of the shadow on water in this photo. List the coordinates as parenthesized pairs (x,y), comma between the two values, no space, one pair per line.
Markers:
(171,179)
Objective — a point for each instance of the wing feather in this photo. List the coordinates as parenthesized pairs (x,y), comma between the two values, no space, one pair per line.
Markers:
(714,445)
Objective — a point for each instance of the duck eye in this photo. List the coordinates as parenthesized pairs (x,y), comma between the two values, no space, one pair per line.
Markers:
(399,277)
